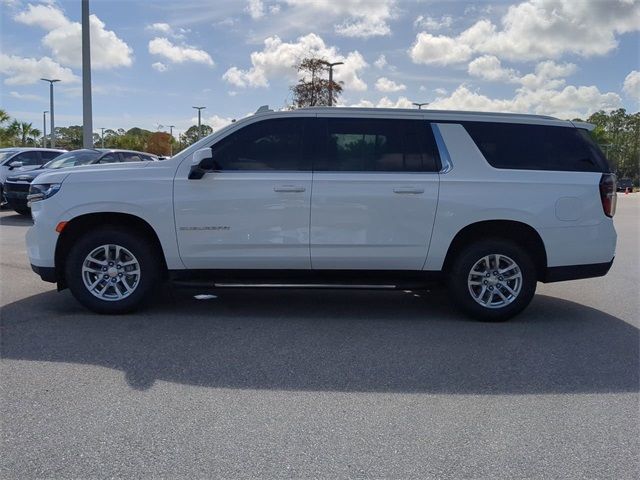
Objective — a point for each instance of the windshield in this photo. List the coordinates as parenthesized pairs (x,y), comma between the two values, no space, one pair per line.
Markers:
(73,159)
(6,155)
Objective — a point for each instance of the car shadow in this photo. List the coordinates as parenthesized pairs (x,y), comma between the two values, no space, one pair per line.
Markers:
(16,220)
(351,341)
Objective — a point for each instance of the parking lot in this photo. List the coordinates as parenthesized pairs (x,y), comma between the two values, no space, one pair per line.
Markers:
(321,384)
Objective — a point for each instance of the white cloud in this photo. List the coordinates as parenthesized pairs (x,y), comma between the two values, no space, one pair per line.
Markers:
(440,50)
(570,102)
(536,29)
(160,27)
(441,92)
(216,122)
(159,66)
(278,59)
(255,9)
(384,84)
(178,53)
(380,62)
(430,23)
(488,67)
(631,85)
(65,42)
(27,96)
(384,102)
(548,74)
(26,71)
(360,18)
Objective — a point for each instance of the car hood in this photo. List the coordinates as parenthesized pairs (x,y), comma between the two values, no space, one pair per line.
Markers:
(58,175)
(28,175)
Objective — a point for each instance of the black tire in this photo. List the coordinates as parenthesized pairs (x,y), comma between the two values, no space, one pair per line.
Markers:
(23,211)
(143,250)
(459,275)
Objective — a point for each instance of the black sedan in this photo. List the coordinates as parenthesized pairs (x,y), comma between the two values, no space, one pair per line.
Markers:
(16,187)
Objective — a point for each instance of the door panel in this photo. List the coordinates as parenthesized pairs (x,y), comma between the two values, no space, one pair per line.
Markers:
(372,220)
(244,220)
(375,192)
(253,211)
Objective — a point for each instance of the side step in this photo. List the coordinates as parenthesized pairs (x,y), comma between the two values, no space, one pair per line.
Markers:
(307,279)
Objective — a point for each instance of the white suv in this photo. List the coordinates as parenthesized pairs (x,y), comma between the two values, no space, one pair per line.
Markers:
(489,203)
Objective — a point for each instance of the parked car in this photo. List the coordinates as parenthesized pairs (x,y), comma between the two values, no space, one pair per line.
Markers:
(25,159)
(487,203)
(623,184)
(16,186)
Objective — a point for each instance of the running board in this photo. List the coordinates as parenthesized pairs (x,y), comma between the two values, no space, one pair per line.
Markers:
(188,284)
(304,279)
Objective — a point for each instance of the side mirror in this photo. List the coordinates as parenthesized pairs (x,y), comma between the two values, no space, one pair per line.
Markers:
(15,164)
(201,163)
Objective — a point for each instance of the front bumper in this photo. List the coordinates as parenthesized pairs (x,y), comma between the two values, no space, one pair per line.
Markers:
(47,274)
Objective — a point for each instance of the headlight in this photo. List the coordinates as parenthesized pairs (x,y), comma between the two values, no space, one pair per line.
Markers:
(42,191)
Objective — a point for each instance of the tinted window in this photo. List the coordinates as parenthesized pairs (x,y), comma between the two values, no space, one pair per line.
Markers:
(109,158)
(267,145)
(28,158)
(535,147)
(372,145)
(71,159)
(131,157)
(6,156)
(46,156)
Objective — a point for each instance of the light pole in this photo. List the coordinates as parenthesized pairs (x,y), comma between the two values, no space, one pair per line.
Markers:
(44,128)
(199,124)
(420,105)
(171,127)
(87,116)
(331,65)
(52,139)
(102,136)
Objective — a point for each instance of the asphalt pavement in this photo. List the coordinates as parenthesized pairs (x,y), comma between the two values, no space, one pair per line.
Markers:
(321,384)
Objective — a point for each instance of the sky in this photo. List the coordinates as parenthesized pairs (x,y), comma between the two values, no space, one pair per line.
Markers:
(152,60)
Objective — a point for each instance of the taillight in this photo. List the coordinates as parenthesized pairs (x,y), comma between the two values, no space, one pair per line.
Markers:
(608,194)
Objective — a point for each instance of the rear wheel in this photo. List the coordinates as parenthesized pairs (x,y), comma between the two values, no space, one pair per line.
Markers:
(492,280)
(112,271)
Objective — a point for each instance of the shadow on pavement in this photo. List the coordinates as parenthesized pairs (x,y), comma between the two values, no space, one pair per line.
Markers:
(16,220)
(333,341)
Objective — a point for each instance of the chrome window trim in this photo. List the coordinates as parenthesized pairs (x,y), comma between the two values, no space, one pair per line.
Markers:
(445,158)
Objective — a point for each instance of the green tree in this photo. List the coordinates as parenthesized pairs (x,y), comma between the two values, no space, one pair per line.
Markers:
(313,86)
(27,136)
(191,135)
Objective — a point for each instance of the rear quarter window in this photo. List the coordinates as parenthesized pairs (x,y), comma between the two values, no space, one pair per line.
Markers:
(537,147)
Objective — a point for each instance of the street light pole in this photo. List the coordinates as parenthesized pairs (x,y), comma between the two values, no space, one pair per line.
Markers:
(171,127)
(102,136)
(44,128)
(199,123)
(420,105)
(52,139)
(331,65)
(87,116)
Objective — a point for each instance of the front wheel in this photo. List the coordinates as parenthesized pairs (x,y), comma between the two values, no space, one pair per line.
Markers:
(492,280)
(112,271)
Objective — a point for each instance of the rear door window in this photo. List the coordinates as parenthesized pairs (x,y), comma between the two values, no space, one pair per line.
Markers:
(536,147)
(46,156)
(131,157)
(376,145)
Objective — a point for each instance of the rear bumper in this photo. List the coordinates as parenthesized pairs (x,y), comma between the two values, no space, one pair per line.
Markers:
(575,272)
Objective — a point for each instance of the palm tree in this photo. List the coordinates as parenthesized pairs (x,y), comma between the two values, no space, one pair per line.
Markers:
(25,132)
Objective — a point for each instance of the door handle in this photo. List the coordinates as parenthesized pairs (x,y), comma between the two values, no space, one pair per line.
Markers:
(408,190)
(289,188)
